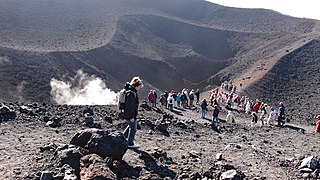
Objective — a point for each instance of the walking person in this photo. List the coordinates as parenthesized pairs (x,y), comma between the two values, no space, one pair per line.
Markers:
(163,101)
(254,119)
(155,98)
(281,115)
(203,106)
(170,101)
(272,117)
(191,98)
(317,130)
(263,114)
(230,117)
(151,98)
(197,93)
(215,114)
(131,111)
(178,100)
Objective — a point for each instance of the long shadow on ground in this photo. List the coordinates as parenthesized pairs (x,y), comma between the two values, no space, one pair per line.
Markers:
(152,166)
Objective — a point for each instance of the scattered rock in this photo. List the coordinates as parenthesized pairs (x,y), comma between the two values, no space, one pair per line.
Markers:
(46,175)
(231,174)
(69,175)
(305,170)
(108,119)
(93,167)
(309,162)
(219,156)
(25,109)
(71,157)
(48,147)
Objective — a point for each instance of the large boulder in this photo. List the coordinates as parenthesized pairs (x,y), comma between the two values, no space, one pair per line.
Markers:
(92,166)
(70,156)
(101,142)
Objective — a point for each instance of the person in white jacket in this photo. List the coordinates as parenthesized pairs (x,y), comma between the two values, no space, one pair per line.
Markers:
(248,107)
(170,101)
(272,117)
(230,117)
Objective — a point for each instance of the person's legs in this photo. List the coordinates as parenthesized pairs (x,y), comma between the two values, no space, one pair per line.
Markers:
(132,131)
(280,121)
(215,121)
(126,131)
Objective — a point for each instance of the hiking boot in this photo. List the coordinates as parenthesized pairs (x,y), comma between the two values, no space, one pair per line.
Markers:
(134,146)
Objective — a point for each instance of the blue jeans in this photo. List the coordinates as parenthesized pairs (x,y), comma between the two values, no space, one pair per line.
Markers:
(130,131)
(215,121)
(203,113)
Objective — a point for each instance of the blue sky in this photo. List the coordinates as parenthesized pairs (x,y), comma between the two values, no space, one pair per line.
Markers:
(296,8)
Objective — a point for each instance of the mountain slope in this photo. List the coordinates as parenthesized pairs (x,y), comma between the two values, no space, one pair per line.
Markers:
(294,80)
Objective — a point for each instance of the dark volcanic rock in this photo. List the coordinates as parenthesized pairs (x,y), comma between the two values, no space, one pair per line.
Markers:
(101,142)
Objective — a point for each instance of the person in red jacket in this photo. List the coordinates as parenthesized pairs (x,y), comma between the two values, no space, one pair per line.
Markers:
(318,124)
(256,106)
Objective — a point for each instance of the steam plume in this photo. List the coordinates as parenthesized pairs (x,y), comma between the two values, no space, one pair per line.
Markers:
(82,90)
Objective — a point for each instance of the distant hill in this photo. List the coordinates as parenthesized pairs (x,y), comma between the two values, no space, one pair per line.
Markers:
(171,44)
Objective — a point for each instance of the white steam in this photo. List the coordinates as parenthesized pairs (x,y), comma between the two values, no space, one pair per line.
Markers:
(82,90)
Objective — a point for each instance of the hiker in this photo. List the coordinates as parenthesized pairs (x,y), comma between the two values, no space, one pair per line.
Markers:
(203,106)
(215,114)
(155,98)
(272,117)
(174,95)
(131,111)
(197,93)
(170,102)
(281,115)
(178,99)
(163,101)
(166,95)
(254,119)
(256,106)
(191,98)
(187,100)
(234,88)
(263,114)
(230,117)
(317,130)
(183,99)
(151,98)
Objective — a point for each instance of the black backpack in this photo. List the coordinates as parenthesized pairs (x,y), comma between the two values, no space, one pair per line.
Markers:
(122,99)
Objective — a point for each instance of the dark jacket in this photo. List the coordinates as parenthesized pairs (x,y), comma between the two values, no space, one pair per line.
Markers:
(203,104)
(281,110)
(132,103)
(216,111)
